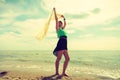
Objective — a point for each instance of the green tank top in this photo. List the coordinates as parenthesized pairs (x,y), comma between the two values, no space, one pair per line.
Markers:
(61,32)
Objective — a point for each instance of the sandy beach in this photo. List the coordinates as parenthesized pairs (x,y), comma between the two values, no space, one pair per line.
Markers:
(20,75)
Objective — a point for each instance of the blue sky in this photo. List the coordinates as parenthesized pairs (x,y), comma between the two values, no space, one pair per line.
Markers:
(91,24)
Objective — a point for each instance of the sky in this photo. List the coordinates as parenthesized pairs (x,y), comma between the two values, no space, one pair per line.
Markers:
(91,24)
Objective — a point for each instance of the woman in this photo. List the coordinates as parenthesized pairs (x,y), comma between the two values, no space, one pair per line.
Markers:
(61,48)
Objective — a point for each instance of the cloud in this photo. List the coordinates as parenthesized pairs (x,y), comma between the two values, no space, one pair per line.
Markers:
(48,7)
(23,7)
(22,36)
(111,28)
(2,1)
(112,24)
(10,40)
(85,36)
(101,43)
(83,15)
(96,11)
(76,6)
(71,31)
(5,22)
(29,27)
(114,21)
(25,29)
(77,16)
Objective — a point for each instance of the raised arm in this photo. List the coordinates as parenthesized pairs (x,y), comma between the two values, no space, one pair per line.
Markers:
(56,19)
(64,25)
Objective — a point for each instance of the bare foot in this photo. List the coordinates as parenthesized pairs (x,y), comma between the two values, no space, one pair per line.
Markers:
(60,76)
(54,75)
(65,75)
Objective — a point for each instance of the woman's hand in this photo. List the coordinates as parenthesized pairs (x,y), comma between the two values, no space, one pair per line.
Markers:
(54,8)
(62,16)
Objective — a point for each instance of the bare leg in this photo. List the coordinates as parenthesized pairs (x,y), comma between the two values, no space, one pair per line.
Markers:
(65,62)
(58,60)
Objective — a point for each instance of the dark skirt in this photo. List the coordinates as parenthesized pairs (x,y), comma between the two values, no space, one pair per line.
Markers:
(61,45)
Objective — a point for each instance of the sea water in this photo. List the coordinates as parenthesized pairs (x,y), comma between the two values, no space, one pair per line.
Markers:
(97,62)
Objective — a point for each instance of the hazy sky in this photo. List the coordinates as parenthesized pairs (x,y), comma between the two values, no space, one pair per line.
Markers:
(91,24)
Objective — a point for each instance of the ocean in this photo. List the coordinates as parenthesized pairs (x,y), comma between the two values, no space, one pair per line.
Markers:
(93,62)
